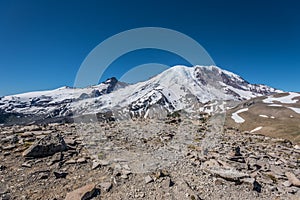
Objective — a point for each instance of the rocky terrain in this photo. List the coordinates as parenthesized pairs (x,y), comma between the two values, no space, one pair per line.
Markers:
(173,158)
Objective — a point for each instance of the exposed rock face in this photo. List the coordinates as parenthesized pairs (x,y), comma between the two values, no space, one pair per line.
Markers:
(47,146)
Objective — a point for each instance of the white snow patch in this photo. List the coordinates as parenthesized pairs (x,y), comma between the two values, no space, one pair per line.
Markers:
(297,110)
(286,99)
(256,129)
(242,93)
(264,116)
(275,105)
(237,118)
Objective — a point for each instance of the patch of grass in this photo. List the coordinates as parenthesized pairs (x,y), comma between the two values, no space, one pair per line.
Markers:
(193,197)
(28,144)
(193,147)
(273,178)
(101,156)
(197,140)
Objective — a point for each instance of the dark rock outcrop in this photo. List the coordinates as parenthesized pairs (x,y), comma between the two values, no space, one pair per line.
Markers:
(47,146)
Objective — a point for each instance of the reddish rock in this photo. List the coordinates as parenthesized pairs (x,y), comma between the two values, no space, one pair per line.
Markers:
(83,193)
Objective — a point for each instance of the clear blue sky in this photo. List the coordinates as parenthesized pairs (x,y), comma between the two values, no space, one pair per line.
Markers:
(43,43)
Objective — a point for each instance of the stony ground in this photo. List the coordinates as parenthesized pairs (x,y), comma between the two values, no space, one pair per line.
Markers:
(145,159)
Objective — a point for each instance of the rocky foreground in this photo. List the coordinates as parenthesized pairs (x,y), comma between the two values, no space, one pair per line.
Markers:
(149,159)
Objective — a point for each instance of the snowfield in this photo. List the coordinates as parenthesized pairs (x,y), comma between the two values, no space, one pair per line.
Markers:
(235,116)
(297,110)
(286,99)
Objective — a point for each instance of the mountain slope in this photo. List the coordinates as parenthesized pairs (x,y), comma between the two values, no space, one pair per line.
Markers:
(194,89)
(51,103)
(275,115)
(179,88)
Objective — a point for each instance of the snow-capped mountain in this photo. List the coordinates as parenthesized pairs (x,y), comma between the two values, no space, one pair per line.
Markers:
(193,89)
(49,104)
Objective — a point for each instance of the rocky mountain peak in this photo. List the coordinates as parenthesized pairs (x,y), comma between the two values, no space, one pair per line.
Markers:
(177,88)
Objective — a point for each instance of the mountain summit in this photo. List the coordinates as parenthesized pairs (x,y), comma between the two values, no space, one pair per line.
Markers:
(193,89)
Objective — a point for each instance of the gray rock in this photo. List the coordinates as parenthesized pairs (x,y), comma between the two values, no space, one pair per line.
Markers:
(6,196)
(56,158)
(95,164)
(287,184)
(236,156)
(257,187)
(183,190)
(264,165)
(228,174)
(106,186)
(293,179)
(26,134)
(12,139)
(81,160)
(248,180)
(103,162)
(126,172)
(47,146)
(6,154)
(33,128)
(237,159)
(277,170)
(9,147)
(26,164)
(2,167)
(71,161)
(237,151)
(3,189)
(39,133)
(70,141)
(60,174)
(212,163)
(124,176)
(44,175)
(167,182)
(148,179)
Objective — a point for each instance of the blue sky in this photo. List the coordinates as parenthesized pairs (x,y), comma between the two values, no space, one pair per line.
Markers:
(43,43)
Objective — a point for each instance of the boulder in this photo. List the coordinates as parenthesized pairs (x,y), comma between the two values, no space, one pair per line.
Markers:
(106,186)
(228,174)
(293,179)
(148,179)
(86,192)
(47,146)
(60,174)
(236,156)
